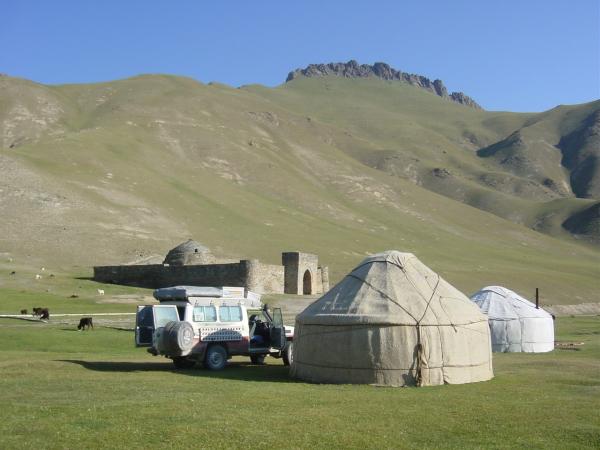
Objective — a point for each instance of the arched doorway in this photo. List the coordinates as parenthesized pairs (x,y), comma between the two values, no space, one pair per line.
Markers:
(307,283)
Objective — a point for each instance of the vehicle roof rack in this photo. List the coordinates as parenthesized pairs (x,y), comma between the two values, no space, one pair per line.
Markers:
(183,293)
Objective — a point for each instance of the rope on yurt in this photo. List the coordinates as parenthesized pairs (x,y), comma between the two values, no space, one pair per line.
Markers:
(420,354)
(379,291)
(419,374)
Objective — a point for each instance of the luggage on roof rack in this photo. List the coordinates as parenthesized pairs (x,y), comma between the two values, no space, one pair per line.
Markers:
(184,292)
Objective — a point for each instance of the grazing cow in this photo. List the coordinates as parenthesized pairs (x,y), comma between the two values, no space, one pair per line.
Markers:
(23,311)
(74,296)
(36,312)
(38,276)
(100,291)
(85,323)
(45,314)
(13,273)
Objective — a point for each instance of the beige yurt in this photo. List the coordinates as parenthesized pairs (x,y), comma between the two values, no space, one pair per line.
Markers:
(392,321)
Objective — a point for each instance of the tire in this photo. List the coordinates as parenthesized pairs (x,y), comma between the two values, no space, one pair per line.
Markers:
(178,337)
(288,354)
(257,359)
(216,358)
(183,363)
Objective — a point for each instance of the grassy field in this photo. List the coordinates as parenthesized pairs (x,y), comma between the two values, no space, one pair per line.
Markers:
(66,389)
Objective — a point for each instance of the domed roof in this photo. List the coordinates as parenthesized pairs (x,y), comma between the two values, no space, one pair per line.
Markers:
(500,303)
(392,288)
(181,254)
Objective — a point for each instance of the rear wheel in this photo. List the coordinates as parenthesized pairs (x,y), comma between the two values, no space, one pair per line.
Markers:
(288,354)
(257,359)
(183,363)
(216,358)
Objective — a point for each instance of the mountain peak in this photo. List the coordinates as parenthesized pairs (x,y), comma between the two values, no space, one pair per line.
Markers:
(353,69)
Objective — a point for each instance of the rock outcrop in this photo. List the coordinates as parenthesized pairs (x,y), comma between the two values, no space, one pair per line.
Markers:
(352,69)
(581,155)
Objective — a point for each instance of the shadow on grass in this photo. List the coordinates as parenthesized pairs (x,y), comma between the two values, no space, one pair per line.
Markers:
(236,370)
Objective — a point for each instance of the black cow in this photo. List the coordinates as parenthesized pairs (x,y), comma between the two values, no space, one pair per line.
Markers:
(42,313)
(23,311)
(85,323)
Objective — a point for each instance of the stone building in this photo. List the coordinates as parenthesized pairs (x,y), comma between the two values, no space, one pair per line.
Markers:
(191,263)
(303,275)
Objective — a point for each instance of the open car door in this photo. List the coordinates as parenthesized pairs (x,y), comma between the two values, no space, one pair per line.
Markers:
(149,318)
(144,326)
(277,330)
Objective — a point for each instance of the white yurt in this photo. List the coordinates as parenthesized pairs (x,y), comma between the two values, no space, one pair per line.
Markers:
(515,323)
(392,321)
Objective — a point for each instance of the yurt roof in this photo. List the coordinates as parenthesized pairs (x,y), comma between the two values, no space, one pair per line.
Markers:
(500,303)
(392,288)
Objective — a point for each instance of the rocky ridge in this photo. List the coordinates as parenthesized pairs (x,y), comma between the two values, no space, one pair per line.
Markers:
(352,69)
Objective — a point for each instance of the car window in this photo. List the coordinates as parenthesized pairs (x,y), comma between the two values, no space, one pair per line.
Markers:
(230,314)
(163,315)
(205,314)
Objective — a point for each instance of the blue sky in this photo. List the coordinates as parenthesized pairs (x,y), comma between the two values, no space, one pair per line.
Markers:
(527,55)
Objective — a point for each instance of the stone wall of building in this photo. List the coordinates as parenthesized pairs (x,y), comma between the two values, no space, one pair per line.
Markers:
(255,276)
(299,274)
(290,262)
(324,278)
(273,278)
(158,275)
(302,274)
(267,278)
(146,275)
(318,284)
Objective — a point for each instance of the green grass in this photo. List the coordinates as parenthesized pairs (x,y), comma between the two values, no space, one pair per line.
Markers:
(11,302)
(22,291)
(64,389)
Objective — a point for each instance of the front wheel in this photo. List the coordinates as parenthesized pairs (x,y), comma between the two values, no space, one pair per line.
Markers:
(183,363)
(216,358)
(288,354)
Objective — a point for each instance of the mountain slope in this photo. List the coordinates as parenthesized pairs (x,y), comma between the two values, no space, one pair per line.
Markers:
(505,163)
(111,172)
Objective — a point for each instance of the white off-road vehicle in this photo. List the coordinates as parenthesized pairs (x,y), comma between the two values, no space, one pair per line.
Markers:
(210,325)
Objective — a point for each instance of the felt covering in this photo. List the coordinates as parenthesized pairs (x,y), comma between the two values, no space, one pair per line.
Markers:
(392,321)
(515,323)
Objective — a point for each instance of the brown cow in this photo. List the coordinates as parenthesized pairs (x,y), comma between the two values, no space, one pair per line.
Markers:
(23,311)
